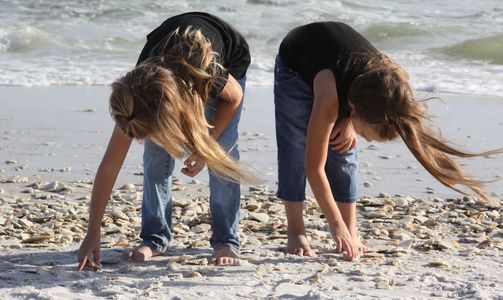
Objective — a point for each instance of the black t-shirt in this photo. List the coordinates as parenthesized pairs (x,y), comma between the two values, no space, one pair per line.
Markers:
(232,49)
(336,46)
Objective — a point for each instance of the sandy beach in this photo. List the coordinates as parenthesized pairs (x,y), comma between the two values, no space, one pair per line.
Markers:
(425,240)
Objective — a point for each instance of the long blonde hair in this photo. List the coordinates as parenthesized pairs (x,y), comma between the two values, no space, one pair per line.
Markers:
(164,99)
(382,96)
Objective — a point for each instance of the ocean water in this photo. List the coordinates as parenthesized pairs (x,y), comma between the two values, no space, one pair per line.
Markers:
(446,45)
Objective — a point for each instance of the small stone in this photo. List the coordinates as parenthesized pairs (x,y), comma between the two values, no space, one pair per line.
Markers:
(36,239)
(17,179)
(66,169)
(193,274)
(260,217)
(25,223)
(10,162)
(440,265)
(201,228)
(469,252)
(197,262)
(127,187)
(316,278)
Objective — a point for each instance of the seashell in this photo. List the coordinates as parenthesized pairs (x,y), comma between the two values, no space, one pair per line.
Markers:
(16,179)
(315,279)
(25,223)
(201,228)
(197,262)
(260,217)
(174,275)
(332,262)
(253,206)
(36,239)
(469,252)
(440,265)
(179,259)
(118,215)
(193,274)
(275,208)
(372,255)
(66,169)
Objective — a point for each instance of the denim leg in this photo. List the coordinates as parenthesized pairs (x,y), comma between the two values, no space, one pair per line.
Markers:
(342,174)
(293,103)
(225,195)
(157,197)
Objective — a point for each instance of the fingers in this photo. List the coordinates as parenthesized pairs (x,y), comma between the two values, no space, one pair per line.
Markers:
(190,162)
(82,262)
(344,146)
(334,133)
(338,247)
(192,171)
(192,167)
(347,247)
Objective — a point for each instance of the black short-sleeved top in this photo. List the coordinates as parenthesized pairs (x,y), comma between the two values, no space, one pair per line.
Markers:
(231,46)
(336,46)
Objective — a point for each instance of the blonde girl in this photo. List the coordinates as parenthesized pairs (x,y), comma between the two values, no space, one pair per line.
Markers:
(183,99)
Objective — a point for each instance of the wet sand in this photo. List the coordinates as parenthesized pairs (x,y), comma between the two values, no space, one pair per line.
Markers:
(425,240)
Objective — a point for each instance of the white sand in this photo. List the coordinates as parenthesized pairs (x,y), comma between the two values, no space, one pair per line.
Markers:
(48,135)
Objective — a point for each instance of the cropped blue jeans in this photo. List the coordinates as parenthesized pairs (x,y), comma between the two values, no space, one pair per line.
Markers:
(293,103)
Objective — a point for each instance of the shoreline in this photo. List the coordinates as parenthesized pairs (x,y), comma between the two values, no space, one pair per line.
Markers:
(62,132)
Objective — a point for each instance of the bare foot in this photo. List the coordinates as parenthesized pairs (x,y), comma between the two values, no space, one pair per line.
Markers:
(139,254)
(298,245)
(224,255)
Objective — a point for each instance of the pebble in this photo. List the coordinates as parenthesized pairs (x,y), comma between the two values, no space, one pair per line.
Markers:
(400,225)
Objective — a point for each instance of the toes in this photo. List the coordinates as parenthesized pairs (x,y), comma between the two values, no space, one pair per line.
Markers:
(308,252)
(224,261)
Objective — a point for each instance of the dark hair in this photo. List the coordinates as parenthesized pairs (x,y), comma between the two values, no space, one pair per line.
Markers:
(382,96)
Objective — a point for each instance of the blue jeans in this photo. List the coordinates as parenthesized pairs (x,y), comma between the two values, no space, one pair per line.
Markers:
(293,102)
(157,203)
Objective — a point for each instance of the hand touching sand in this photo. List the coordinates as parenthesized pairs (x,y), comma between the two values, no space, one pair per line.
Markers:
(90,245)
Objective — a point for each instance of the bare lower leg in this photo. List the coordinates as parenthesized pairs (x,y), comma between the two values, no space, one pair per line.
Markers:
(296,231)
(348,212)
(140,254)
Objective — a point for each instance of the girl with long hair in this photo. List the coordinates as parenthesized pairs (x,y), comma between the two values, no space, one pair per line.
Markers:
(183,99)
(331,85)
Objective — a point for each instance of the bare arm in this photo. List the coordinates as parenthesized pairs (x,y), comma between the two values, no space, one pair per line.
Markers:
(321,122)
(104,181)
(231,97)
(109,168)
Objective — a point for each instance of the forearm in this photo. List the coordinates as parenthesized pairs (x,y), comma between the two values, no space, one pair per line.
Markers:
(224,114)
(103,185)
(323,194)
